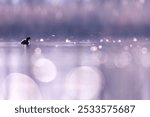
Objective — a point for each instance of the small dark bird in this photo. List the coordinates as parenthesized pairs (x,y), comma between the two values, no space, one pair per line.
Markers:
(26,41)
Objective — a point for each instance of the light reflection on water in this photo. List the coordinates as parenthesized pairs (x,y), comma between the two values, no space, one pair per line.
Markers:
(75,71)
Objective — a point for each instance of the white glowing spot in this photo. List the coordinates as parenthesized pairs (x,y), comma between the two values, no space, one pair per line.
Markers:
(56,46)
(100,46)
(114,41)
(107,40)
(68,40)
(93,48)
(20,86)
(38,51)
(131,45)
(122,60)
(53,35)
(101,40)
(135,39)
(44,70)
(83,83)
(145,60)
(144,50)
(41,40)
(119,41)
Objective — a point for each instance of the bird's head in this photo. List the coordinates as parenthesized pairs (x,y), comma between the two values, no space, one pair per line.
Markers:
(28,38)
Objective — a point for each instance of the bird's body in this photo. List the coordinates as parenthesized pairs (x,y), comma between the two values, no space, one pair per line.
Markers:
(26,41)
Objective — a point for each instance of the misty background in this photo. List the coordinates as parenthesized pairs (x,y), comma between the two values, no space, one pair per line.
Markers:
(63,61)
(79,18)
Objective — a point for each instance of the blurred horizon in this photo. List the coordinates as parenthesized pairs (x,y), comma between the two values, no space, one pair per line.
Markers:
(79,18)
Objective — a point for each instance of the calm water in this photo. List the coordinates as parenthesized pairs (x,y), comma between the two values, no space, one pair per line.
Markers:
(107,69)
